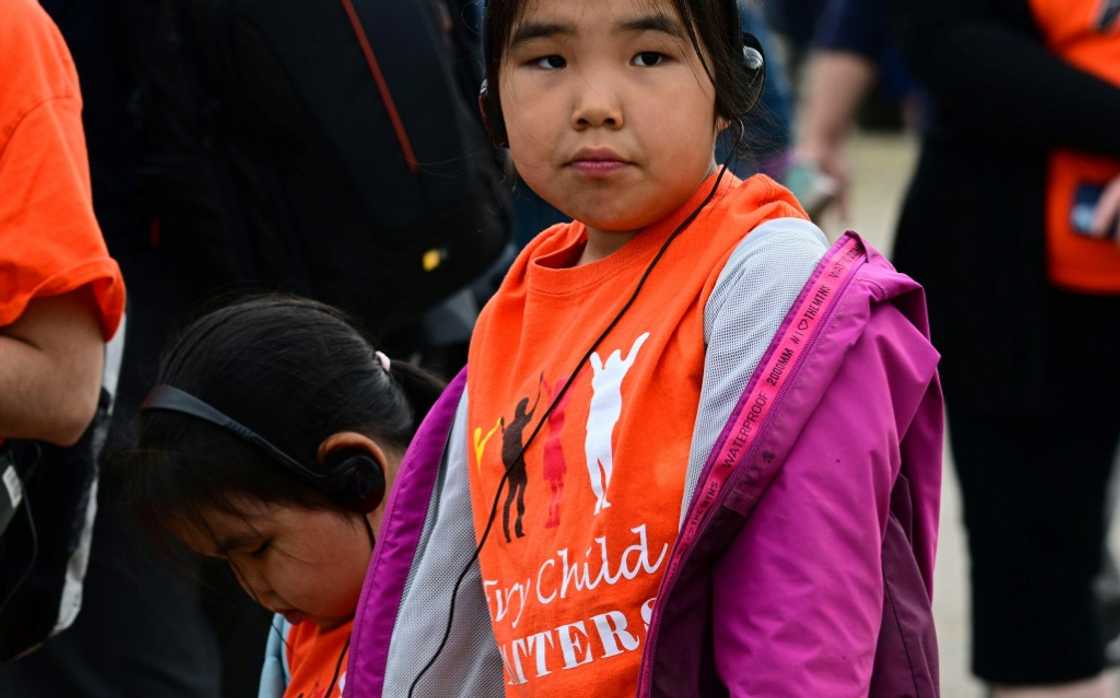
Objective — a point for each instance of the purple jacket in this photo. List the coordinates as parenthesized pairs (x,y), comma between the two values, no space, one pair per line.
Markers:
(812,533)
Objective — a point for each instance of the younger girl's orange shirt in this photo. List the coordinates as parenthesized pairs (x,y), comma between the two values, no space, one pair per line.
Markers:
(590,512)
(317,660)
(50,243)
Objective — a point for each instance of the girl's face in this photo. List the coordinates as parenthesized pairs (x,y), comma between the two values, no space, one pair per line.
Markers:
(304,564)
(610,113)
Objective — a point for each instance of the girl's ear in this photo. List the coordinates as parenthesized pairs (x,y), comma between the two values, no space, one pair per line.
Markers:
(350,441)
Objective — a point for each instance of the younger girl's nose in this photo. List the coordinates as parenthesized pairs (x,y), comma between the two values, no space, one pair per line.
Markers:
(597,108)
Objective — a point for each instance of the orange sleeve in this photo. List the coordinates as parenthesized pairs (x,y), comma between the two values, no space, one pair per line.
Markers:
(50,243)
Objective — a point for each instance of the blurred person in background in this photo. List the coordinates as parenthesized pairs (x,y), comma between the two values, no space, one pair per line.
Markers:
(795,22)
(852,53)
(1011,225)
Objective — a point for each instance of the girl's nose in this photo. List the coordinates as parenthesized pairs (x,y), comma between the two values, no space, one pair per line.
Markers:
(597,108)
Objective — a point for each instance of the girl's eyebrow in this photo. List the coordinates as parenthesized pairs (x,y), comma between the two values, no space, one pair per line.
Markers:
(528,31)
(654,23)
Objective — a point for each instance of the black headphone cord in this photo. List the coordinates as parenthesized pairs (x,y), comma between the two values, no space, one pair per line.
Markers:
(337,668)
(369,534)
(556,400)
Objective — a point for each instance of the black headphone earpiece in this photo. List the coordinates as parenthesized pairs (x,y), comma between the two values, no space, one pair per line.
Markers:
(492,117)
(355,480)
(754,67)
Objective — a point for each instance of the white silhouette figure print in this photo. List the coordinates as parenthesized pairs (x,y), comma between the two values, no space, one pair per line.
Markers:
(606,408)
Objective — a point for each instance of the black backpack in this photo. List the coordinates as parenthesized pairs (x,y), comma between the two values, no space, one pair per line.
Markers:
(47,506)
(322,148)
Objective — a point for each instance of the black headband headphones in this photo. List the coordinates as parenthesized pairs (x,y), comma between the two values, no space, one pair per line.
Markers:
(744,44)
(353,479)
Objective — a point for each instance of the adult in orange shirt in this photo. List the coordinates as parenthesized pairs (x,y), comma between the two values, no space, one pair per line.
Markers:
(61,295)
(61,299)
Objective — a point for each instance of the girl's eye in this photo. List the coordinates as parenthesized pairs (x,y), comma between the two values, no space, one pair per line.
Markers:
(260,551)
(550,62)
(648,59)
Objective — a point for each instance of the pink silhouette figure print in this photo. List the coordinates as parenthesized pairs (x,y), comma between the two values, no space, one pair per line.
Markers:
(555,467)
(606,408)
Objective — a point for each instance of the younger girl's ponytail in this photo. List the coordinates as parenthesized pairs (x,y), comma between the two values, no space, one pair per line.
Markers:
(420,388)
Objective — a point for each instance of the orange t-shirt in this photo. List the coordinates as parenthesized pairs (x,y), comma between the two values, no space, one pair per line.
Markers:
(1086,33)
(586,522)
(50,243)
(315,658)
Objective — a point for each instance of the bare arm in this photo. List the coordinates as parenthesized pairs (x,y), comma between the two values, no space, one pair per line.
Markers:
(50,370)
(837,83)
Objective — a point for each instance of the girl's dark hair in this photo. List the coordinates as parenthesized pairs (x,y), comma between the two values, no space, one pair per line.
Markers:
(713,30)
(293,370)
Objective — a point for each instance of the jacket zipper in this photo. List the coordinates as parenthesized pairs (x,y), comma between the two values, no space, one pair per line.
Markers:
(697,520)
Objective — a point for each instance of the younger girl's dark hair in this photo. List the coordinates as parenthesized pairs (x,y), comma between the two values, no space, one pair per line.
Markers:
(292,370)
(711,26)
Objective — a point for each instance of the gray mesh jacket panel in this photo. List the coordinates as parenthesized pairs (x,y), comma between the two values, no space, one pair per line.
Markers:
(754,292)
(469,665)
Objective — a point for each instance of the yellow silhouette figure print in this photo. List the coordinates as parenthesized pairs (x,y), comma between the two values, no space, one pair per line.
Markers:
(480,442)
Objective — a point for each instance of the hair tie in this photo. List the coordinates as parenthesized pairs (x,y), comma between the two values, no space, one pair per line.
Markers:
(384,360)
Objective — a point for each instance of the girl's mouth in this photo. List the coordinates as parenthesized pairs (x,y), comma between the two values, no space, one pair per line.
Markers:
(597,162)
(598,168)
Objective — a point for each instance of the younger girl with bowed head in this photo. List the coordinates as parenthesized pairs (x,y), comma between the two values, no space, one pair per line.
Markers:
(268,442)
(741,497)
